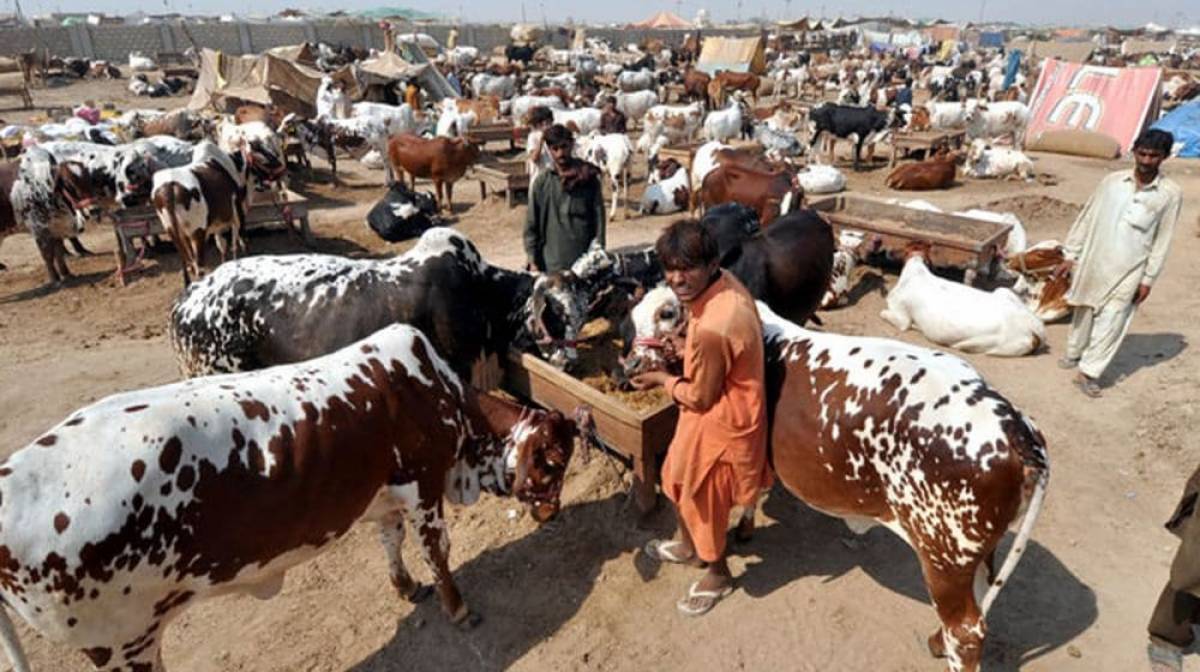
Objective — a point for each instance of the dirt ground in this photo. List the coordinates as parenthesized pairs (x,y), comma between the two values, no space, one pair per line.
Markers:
(575,594)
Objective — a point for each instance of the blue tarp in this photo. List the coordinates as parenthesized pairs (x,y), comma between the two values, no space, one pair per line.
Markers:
(1184,123)
(1010,71)
(991,40)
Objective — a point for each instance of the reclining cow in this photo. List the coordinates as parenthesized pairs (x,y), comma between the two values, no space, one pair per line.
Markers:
(381,430)
(268,310)
(875,431)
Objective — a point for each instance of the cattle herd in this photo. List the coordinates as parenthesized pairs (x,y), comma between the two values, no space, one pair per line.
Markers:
(320,391)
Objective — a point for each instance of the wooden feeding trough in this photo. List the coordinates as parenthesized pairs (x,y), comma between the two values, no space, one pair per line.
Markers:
(906,142)
(973,245)
(639,435)
(142,222)
(501,176)
(498,131)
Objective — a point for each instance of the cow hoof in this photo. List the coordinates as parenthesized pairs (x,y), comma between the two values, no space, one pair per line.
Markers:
(937,646)
(420,594)
(469,621)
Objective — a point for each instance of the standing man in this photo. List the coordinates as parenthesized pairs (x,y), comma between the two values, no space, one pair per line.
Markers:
(1114,253)
(718,458)
(566,207)
(612,120)
(1178,607)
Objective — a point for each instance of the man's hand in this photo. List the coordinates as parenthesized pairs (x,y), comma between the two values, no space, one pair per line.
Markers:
(646,381)
(531,267)
(1143,291)
(1063,270)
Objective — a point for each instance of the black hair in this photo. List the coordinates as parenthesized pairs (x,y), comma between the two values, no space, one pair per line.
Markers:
(685,245)
(540,115)
(558,136)
(1155,140)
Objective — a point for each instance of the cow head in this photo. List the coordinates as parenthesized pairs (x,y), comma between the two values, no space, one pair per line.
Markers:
(135,176)
(657,320)
(263,162)
(74,183)
(554,315)
(537,452)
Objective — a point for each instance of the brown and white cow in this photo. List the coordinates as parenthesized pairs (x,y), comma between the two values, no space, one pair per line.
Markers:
(876,431)
(1043,292)
(726,80)
(770,194)
(166,496)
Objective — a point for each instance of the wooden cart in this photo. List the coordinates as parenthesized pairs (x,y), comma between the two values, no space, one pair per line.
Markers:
(142,222)
(973,245)
(907,142)
(507,176)
(639,435)
(498,131)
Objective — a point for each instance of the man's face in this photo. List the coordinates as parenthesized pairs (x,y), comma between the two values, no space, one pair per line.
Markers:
(1148,161)
(690,283)
(561,154)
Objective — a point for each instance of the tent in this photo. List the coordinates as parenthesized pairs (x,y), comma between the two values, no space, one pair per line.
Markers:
(388,67)
(1184,123)
(300,53)
(664,20)
(1075,52)
(227,81)
(738,54)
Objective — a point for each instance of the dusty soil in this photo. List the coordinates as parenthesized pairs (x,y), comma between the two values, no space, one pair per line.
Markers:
(575,594)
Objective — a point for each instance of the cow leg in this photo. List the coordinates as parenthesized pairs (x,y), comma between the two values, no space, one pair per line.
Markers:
(391,535)
(449,187)
(616,192)
(222,246)
(960,639)
(239,222)
(59,252)
(427,520)
(80,250)
(45,245)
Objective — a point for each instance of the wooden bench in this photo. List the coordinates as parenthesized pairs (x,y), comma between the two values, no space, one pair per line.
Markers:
(974,245)
(908,142)
(498,131)
(508,176)
(130,224)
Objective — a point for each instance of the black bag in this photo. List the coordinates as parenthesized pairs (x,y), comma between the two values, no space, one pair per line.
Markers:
(402,214)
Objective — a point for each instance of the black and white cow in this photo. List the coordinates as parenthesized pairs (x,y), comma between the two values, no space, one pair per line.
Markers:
(865,125)
(166,496)
(268,310)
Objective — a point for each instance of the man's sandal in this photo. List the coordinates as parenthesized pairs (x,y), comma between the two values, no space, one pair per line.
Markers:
(1088,386)
(1164,657)
(699,602)
(667,550)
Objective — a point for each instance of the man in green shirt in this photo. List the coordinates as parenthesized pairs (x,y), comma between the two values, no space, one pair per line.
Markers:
(566,207)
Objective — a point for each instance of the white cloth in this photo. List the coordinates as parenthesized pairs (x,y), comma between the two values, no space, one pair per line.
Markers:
(1120,239)
(1096,335)
(534,165)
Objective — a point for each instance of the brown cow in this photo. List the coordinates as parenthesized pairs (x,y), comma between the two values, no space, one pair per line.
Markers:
(8,218)
(695,86)
(769,194)
(726,80)
(486,108)
(443,160)
(1043,291)
(183,124)
(937,172)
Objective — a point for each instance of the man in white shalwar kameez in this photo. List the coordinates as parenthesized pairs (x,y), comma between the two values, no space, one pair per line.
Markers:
(1114,253)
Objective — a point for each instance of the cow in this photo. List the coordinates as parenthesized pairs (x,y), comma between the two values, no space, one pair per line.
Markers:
(639,80)
(611,153)
(502,86)
(636,104)
(726,80)
(1043,292)
(955,315)
(936,172)
(201,199)
(667,190)
(332,101)
(695,86)
(443,160)
(879,432)
(582,121)
(520,106)
(520,52)
(270,115)
(867,125)
(778,145)
(221,485)
(454,123)
(984,161)
(183,124)
(678,123)
(726,123)
(268,310)
(845,259)
(770,194)
(995,120)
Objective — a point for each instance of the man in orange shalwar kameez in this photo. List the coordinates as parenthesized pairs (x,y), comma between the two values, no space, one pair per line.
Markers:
(718,458)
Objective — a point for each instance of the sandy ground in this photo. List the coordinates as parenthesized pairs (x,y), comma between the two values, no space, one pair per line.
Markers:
(574,594)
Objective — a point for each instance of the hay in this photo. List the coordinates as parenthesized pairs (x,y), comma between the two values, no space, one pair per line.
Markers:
(599,350)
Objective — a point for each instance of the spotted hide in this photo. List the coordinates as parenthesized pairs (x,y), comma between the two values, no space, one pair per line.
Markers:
(267,310)
(880,432)
(135,507)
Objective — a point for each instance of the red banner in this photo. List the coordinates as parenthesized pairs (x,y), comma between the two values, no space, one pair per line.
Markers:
(1113,101)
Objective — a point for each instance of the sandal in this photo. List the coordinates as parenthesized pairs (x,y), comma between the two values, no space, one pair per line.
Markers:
(1088,386)
(662,550)
(705,599)
(1065,362)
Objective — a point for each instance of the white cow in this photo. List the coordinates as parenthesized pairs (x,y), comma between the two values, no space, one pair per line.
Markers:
(679,123)
(332,102)
(501,86)
(585,119)
(721,125)
(636,81)
(635,104)
(667,190)
(994,120)
(949,116)
(845,258)
(520,106)
(611,153)
(985,161)
(961,317)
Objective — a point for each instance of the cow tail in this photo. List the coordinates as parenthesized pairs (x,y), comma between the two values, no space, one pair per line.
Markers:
(11,642)
(1037,476)
(183,242)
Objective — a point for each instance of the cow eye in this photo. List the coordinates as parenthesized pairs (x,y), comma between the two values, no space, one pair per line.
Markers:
(668,313)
